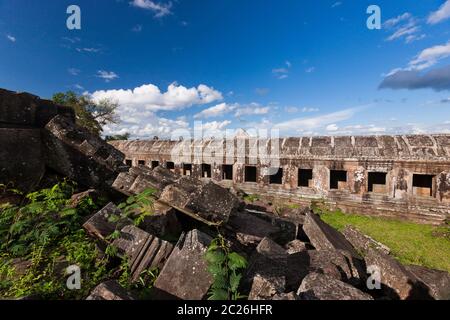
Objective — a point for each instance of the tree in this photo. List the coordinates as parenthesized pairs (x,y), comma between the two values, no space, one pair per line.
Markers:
(125,136)
(89,114)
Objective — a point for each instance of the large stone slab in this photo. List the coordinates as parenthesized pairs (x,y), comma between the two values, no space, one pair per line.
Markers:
(79,155)
(110,290)
(185,275)
(316,286)
(143,250)
(270,262)
(362,242)
(397,282)
(100,224)
(21,158)
(264,289)
(437,281)
(201,199)
(249,230)
(27,110)
(163,222)
(325,237)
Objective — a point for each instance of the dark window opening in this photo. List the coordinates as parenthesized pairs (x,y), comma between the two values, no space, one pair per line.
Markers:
(187,169)
(227,172)
(155,164)
(337,178)
(377,182)
(170,165)
(141,162)
(250,174)
(129,162)
(277,176)
(206,170)
(305,177)
(423,185)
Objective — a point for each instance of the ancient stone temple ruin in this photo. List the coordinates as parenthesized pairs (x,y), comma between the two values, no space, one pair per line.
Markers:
(400,176)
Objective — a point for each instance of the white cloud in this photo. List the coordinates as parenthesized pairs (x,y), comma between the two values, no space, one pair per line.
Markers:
(430,57)
(73,71)
(215,125)
(282,73)
(159,9)
(316,122)
(394,21)
(215,111)
(332,127)
(404,26)
(252,109)
(89,50)
(306,109)
(11,38)
(150,98)
(107,75)
(310,70)
(336,4)
(441,14)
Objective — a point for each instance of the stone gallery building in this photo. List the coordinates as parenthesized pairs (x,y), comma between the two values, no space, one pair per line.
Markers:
(397,176)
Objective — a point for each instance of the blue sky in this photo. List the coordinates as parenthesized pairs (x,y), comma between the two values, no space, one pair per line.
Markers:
(300,66)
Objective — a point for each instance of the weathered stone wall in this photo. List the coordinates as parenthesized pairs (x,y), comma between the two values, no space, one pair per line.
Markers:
(402,160)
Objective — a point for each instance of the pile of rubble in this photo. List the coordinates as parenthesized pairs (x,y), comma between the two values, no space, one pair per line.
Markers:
(289,258)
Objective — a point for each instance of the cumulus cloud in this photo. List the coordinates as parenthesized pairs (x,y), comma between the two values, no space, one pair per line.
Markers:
(150,97)
(107,75)
(282,73)
(160,9)
(336,4)
(332,127)
(443,13)
(437,79)
(89,50)
(73,71)
(395,21)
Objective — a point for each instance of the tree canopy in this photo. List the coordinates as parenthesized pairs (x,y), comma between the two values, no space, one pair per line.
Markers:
(89,114)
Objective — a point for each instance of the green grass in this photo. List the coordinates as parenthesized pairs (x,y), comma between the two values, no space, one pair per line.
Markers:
(410,243)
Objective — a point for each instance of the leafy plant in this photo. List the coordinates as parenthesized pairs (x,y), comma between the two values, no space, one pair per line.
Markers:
(225,267)
(251,198)
(46,232)
(139,207)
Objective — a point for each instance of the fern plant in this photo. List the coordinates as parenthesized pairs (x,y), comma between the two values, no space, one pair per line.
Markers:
(225,267)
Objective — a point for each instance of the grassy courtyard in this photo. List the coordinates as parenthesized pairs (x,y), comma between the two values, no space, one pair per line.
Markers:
(410,243)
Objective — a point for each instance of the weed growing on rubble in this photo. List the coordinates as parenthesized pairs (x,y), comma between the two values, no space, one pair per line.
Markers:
(139,206)
(225,267)
(40,239)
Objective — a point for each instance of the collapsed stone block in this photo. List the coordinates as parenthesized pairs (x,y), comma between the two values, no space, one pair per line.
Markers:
(437,281)
(362,242)
(27,110)
(296,246)
(100,225)
(85,158)
(397,282)
(249,230)
(264,289)
(162,222)
(203,199)
(21,164)
(110,290)
(143,250)
(316,286)
(185,275)
(287,228)
(269,262)
(322,236)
